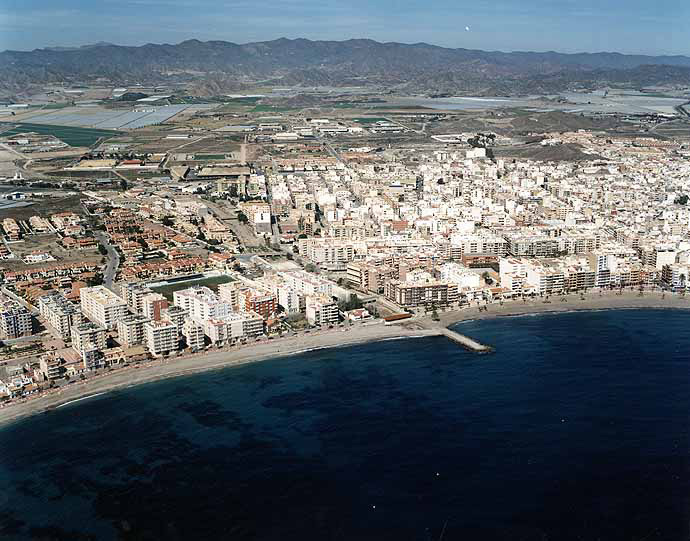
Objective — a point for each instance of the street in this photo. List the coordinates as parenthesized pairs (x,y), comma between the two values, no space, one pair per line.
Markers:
(113,260)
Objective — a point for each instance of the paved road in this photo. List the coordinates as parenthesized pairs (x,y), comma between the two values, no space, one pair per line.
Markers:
(113,260)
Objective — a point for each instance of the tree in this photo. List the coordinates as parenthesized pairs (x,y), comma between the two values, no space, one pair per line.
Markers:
(102,250)
(353,303)
(168,221)
(242,217)
(97,280)
(681,200)
(123,185)
(434,315)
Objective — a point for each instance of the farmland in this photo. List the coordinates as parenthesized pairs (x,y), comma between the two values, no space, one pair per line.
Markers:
(72,135)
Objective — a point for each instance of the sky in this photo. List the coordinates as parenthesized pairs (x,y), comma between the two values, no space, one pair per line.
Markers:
(627,26)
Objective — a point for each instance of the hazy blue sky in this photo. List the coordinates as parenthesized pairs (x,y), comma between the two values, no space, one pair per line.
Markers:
(631,26)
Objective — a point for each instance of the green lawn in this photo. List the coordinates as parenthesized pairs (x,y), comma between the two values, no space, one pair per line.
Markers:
(244,101)
(271,109)
(370,119)
(212,282)
(72,135)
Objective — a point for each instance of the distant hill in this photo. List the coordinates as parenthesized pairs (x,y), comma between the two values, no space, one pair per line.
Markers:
(217,66)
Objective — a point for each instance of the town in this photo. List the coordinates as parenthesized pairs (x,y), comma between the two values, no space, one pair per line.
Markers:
(214,231)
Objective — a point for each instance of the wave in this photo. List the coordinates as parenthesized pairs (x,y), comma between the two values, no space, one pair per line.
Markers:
(80,399)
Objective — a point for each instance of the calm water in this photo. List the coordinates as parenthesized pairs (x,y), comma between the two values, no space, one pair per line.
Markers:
(577,428)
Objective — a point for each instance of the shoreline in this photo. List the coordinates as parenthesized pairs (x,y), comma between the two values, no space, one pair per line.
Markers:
(158,370)
(593,302)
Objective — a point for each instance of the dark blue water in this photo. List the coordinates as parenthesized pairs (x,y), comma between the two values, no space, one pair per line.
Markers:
(577,428)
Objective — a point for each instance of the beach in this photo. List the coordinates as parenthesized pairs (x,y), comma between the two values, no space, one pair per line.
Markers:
(147,372)
(346,336)
(607,300)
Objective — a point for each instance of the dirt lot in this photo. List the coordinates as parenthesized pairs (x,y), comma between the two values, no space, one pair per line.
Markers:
(566,152)
(48,242)
(7,165)
(45,207)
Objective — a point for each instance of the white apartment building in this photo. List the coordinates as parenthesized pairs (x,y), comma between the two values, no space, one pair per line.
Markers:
(193,333)
(307,284)
(546,279)
(234,327)
(229,293)
(161,337)
(478,243)
(60,313)
(131,330)
(459,274)
(288,298)
(322,310)
(175,315)
(102,306)
(513,274)
(201,303)
(332,252)
(89,340)
(15,320)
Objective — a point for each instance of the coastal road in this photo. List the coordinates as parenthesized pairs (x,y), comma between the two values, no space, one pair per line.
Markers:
(113,260)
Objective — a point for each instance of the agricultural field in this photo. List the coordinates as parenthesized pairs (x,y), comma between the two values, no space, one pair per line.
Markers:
(272,109)
(369,119)
(72,135)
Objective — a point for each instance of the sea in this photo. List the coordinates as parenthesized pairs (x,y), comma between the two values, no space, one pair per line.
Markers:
(576,428)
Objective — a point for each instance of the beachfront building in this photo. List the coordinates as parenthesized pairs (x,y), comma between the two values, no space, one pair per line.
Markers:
(255,300)
(428,293)
(60,313)
(513,275)
(459,274)
(51,366)
(234,327)
(15,320)
(131,330)
(89,340)
(321,310)
(175,315)
(102,306)
(161,337)
(193,334)
(201,303)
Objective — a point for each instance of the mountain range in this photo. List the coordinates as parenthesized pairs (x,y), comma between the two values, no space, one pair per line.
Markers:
(212,67)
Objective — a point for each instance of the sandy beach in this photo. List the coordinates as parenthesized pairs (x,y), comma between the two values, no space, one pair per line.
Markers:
(592,301)
(419,326)
(201,362)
